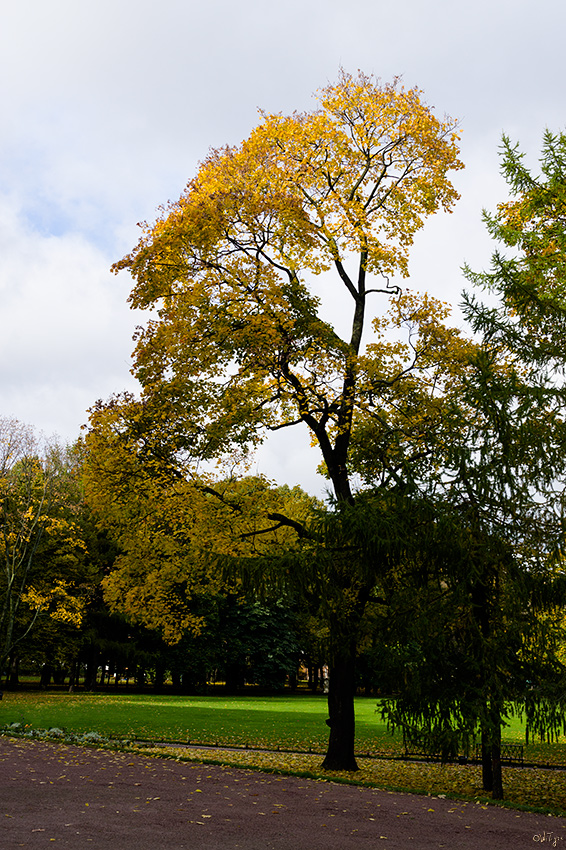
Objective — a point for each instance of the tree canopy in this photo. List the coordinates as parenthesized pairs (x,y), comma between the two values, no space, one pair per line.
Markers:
(240,345)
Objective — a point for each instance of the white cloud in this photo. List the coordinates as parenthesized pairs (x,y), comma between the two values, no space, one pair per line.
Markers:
(66,332)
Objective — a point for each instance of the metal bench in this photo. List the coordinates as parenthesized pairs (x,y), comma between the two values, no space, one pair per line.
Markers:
(510,753)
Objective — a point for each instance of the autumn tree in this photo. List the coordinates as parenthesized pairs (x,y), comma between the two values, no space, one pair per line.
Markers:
(40,539)
(237,344)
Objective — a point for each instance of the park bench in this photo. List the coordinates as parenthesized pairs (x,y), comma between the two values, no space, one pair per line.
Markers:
(510,753)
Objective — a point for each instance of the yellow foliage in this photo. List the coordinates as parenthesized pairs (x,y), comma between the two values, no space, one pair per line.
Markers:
(59,601)
(237,346)
(238,334)
(172,530)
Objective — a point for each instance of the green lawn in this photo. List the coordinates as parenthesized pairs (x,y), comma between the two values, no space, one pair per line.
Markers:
(290,722)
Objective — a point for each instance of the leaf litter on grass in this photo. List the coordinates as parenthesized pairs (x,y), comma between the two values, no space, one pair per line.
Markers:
(533,787)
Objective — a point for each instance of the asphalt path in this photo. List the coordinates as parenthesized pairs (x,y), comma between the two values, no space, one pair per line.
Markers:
(64,796)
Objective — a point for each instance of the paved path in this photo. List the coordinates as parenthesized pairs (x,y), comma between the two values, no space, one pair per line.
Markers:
(62,796)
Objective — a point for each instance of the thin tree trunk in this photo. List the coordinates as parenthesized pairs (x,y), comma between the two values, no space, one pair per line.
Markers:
(486,763)
(497,791)
(72,676)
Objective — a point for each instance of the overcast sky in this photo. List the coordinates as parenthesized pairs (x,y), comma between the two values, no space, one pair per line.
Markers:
(108,107)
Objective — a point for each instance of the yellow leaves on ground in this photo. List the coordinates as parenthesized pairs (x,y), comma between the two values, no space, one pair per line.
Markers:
(523,786)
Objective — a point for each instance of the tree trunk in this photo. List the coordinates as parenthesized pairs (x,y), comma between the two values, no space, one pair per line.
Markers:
(340,753)
(491,755)
(313,673)
(497,790)
(59,674)
(486,763)
(45,677)
(12,676)
(72,676)
(91,670)
(159,681)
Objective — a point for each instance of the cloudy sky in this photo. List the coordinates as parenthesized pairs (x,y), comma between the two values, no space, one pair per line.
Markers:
(107,108)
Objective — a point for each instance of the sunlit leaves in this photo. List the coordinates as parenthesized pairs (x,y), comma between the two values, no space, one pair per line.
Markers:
(57,601)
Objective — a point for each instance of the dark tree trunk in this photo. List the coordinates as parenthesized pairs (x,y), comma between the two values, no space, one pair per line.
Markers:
(59,674)
(13,674)
(497,791)
(491,728)
(491,756)
(234,677)
(486,763)
(45,678)
(91,670)
(340,753)
(72,675)
(344,629)
(293,679)
(159,681)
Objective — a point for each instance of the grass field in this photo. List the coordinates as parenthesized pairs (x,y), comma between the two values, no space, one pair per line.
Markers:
(286,722)
(294,722)
(291,722)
